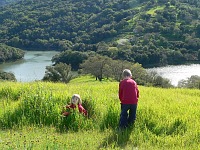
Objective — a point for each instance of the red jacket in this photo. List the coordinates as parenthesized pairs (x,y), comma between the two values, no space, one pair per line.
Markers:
(128,91)
(80,108)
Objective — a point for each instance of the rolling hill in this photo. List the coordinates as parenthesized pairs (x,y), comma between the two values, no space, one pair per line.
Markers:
(156,32)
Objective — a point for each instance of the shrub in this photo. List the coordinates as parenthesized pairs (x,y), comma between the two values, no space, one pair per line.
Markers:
(61,72)
(192,82)
(7,76)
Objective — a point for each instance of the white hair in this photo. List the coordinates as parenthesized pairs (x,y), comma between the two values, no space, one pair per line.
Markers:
(127,73)
(76,99)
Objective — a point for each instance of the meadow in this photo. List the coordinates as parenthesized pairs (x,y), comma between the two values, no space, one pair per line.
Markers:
(30,117)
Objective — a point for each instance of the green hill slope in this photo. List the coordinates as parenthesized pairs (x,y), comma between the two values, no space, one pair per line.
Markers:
(6,2)
(157,32)
(30,117)
(8,53)
(50,21)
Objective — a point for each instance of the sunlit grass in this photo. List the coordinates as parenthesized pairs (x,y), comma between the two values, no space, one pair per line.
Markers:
(153,10)
(49,138)
(30,117)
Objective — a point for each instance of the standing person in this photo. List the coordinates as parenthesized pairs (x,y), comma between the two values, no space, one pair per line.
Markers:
(128,95)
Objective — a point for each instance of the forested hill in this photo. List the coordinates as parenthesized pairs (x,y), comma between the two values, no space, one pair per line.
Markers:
(8,53)
(5,2)
(149,32)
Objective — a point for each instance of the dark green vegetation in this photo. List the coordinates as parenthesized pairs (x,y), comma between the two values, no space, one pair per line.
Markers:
(5,2)
(7,76)
(61,72)
(192,82)
(156,32)
(8,53)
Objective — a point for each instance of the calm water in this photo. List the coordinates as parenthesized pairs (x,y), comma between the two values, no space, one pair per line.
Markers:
(32,67)
(177,73)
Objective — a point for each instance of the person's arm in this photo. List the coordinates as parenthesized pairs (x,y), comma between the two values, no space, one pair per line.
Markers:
(66,114)
(82,110)
(71,106)
(120,92)
(67,106)
(138,92)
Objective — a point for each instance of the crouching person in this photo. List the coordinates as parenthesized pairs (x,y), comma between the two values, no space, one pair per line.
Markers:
(75,102)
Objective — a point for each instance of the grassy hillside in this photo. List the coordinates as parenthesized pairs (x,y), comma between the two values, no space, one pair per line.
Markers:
(30,117)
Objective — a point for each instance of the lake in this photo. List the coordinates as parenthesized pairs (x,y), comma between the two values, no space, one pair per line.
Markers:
(177,73)
(32,67)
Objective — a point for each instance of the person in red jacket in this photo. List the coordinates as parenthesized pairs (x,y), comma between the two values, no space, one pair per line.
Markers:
(128,95)
(75,101)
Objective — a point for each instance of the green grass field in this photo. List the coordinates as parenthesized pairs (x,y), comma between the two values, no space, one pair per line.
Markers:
(30,117)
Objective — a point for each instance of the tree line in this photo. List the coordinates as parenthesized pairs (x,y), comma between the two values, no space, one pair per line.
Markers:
(104,68)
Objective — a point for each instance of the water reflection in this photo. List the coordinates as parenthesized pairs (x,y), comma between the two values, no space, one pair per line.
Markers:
(32,67)
(177,73)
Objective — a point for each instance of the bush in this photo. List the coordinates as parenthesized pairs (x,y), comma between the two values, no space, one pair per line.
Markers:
(193,82)
(61,72)
(7,76)
(153,79)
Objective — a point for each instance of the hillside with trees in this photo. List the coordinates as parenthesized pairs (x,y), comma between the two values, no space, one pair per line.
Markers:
(6,2)
(7,76)
(157,32)
(8,53)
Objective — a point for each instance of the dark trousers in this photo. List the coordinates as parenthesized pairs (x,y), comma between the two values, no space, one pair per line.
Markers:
(128,115)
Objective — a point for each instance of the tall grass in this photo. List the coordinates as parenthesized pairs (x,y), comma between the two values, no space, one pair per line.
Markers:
(166,118)
(40,106)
